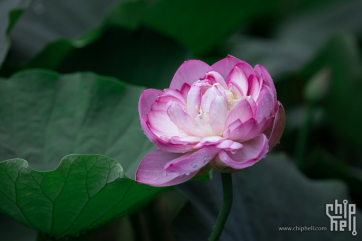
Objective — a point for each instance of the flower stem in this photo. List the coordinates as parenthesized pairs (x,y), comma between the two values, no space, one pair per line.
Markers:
(227,186)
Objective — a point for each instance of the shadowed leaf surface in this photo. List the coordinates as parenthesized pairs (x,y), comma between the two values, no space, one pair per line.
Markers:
(48,21)
(140,57)
(45,116)
(12,230)
(342,57)
(195,24)
(10,10)
(198,25)
(269,195)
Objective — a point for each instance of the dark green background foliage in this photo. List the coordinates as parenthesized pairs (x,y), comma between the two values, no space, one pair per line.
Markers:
(71,73)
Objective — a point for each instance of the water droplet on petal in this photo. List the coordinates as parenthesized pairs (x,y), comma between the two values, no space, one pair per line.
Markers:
(195,166)
(187,173)
(233,151)
(164,174)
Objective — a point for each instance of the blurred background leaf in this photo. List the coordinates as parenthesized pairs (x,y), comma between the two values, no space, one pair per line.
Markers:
(10,10)
(195,24)
(190,22)
(289,43)
(343,105)
(279,197)
(142,57)
(11,229)
(312,27)
(47,21)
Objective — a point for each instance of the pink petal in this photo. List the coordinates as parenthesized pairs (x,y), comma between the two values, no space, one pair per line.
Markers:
(241,111)
(262,72)
(175,93)
(235,146)
(231,128)
(218,113)
(185,140)
(246,68)
(265,104)
(159,106)
(229,145)
(254,87)
(258,128)
(208,97)
(147,98)
(162,144)
(241,132)
(234,125)
(251,152)
(238,78)
(151,170)
(181,119)
(225,144)
(209,141)
(203,84)
(252,104)
(215,77)
(160,121)
(168,98)
(203,129)
(190,163)
(185,90)
(277,126)
(224,66)
(233,88)
(194,101)
(189,72)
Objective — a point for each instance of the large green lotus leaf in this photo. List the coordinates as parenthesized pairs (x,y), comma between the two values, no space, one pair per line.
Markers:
(45,116)
(83,192)
(268,195)
(10,10)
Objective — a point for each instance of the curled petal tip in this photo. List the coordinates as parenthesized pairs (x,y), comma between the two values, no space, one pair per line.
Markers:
(219,165)
(251,152)
(278,127)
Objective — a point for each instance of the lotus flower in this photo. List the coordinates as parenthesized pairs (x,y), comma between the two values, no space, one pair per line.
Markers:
(225,116)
